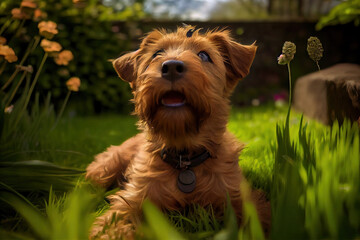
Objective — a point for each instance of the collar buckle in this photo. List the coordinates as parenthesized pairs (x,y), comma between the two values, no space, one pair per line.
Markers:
(184,161)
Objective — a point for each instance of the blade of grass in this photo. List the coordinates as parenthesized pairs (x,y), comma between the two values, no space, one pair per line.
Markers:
(231,228)
(158,224)
(35,175)
(31,214)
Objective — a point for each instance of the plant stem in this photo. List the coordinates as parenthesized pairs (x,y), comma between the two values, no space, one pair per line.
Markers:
(35,80)
(290,88)
(16,88)
(2,68)
(317,64)
(17,31)
(290,95)
(62,109)
(32,45)
(27,100)
(19,28)
(36,42)
(5,26)
(10,79)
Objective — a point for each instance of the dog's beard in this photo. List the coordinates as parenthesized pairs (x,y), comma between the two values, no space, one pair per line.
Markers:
(174,122)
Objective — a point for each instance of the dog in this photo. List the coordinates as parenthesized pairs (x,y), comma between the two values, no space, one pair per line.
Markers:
(181,82)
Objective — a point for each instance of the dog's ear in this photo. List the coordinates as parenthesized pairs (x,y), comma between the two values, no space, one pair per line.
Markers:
(237,57)
(152,38)
(124,66)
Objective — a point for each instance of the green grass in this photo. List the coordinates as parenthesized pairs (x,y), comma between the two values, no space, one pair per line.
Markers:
(314,192)
(75,141)
(256,127)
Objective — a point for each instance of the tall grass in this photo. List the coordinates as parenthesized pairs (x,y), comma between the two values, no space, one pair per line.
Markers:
(315,190)
(315,186)
(66,217)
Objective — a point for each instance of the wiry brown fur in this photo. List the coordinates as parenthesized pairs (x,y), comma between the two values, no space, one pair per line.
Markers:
(201,123)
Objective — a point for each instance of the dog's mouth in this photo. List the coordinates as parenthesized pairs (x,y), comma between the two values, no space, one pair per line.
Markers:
(173,99)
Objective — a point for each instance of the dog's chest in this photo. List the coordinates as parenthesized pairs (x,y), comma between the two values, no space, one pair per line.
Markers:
(211,186)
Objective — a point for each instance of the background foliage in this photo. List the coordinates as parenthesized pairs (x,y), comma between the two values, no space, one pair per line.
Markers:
(345,12)
(85,28)
(90,31)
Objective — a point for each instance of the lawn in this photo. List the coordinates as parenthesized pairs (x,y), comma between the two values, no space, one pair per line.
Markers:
(75,141)
(308,170)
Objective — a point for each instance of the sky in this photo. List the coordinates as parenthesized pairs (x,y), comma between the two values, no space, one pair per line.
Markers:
(202,9)
(186,9)
(193,10)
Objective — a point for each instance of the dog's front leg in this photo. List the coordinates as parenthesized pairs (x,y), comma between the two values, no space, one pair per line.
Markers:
(120,221)
(110,166)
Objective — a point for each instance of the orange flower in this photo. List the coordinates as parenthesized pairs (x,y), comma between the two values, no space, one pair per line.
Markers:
(2,40)
(64,57)
(47,29)
(28,4)
(50,46)
(9,109)
(73,84)
(8,53)
(18,14)
(38,15)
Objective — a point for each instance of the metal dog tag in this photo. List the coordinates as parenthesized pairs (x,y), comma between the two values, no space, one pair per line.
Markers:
(186,181)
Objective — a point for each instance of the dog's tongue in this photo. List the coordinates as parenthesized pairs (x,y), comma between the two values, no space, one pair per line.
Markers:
(173,99)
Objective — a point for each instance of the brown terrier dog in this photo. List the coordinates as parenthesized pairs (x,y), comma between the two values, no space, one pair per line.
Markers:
(181,83)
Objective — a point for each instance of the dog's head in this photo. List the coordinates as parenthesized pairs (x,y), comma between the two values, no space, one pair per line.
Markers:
(182,79)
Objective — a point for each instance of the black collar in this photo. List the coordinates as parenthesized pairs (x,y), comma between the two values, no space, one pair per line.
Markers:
(182,160)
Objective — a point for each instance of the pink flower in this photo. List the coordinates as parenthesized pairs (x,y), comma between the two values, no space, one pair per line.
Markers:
(282,59)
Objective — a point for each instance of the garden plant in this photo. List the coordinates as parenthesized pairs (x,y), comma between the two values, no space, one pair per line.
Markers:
(309,171)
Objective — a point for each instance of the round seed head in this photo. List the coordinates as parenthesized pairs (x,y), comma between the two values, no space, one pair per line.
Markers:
(289,50)
(314,49)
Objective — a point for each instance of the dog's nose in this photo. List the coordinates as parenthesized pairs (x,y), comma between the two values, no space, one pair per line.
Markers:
(172,69)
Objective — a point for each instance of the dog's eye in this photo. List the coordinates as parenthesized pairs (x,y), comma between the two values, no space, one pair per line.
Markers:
(204,56)
(158,52)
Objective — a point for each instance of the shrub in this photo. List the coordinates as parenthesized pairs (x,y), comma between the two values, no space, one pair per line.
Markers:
(85,29)
(345,12)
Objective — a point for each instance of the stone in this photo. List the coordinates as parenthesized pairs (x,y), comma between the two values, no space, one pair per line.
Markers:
(330,94)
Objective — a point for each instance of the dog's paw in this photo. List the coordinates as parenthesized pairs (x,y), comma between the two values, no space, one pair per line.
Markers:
(97,174)
(104,169)
(114,231)
(98,233)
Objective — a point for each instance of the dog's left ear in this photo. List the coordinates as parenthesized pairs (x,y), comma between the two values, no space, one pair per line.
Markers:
(237,57)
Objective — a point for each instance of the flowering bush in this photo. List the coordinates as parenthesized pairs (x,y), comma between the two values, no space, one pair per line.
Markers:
(15,94)
(84,29)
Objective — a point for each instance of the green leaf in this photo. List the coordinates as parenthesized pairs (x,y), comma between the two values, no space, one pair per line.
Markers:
(35,175)
(32,215)
(230,231)
(158,224)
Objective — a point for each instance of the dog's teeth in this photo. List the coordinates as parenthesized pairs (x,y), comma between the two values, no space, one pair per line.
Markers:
(173,99)
(174,104)
(179,104)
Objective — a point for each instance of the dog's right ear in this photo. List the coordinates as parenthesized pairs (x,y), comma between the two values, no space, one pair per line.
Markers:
(124,66)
